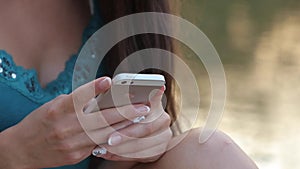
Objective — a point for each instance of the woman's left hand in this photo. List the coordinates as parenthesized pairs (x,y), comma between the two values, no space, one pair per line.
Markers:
(145,141)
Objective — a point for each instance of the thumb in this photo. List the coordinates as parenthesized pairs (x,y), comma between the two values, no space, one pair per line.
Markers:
(156,98)
(82,95)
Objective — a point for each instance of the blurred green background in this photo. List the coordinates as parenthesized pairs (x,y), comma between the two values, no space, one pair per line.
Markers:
(259,44)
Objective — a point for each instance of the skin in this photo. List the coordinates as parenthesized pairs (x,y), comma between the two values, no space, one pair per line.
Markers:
(54,128)
(219,152)
(54,33)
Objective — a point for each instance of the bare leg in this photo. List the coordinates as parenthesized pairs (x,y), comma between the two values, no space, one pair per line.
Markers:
(219,152)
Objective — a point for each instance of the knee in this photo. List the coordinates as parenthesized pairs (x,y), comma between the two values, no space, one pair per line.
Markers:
(190,142)
(218,150)
(215,141)
(216,146)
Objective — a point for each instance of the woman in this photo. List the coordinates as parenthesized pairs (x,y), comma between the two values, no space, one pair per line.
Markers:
(39,126)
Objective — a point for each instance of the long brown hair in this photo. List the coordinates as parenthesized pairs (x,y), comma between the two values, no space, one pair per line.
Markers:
(113,9)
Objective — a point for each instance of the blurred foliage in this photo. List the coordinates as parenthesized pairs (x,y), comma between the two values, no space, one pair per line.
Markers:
(213,18)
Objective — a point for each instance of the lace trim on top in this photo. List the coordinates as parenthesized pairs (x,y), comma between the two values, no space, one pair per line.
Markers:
(25,80)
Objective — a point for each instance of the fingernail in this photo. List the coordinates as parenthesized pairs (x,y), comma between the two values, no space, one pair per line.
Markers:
(99,151)
(163,88)
(144,109)
(105,83)
(138,119)
(114,140)
(161,91)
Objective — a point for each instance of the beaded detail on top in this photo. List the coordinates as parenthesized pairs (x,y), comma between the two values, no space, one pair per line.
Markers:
(26,81)
(5,70)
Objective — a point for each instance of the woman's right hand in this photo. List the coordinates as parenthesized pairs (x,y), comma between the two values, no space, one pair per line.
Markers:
(53,136)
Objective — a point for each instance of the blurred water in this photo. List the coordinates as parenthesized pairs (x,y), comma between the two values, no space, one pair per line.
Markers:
(259,44)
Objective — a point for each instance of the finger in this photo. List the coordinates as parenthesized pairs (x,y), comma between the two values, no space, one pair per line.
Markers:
(100,136)
(82,95)
(107,117)
(89,139)
(143,156)
(139,144)
(91,106)
(147,154)
(156,98)
(139,130)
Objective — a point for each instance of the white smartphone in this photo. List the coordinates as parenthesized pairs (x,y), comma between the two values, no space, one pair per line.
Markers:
(128,88)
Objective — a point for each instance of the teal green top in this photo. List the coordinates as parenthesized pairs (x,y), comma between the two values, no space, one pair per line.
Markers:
(21,93)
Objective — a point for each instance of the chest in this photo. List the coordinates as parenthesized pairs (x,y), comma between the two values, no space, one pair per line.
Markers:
(42,35)
(47,64)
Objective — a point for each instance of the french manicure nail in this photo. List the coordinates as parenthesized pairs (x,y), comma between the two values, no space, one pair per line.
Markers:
(99,151)
(104,84)
(138,119)
(114,140)
(144,109)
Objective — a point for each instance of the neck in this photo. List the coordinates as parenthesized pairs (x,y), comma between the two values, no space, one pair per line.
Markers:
(36,32)
(44,19)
